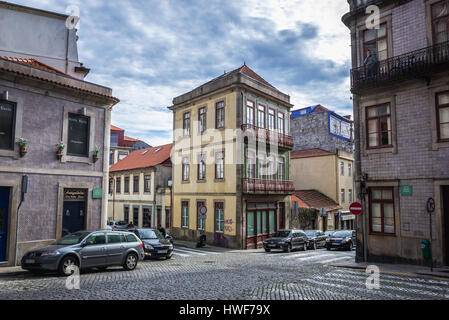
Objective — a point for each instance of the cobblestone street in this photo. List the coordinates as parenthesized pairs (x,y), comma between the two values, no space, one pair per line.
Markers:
(203,275)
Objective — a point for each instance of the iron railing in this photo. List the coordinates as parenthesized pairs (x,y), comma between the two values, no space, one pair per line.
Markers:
(283,140)
(264,186)
(419,63)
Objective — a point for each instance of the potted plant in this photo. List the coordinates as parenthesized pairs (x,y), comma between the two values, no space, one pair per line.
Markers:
(95,154)
(23,143)
(60,150)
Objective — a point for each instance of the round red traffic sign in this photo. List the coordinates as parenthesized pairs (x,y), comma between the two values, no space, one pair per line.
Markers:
(356,208)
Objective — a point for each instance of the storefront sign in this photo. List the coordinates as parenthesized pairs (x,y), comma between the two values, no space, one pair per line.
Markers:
(348,217)
(406,190)
(97,193)
(74,194)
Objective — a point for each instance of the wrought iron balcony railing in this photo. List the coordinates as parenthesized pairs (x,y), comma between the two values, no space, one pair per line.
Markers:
(264,186)
(283,140)
(420,63)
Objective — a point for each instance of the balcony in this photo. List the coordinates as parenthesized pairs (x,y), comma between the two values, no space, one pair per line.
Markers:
(421,63)
(283,140)
(263,186)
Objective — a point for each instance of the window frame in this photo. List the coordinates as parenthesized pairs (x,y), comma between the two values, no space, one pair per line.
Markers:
(118,185)
(382,201)
(222,109)
(342,195)
(216,208)
(147,178)
(201,164)
(437,111)
(202,112)
(283,162)
(279,113)
(13,127)
(199,204)
(259,111)
(186,129)
(434,21)
(84,155)
(379,133)
(185,204)
(185,165)
(136,190)
(376,40)
(126,185)
(222,152)
(274,119)
(253,113)
(254,158)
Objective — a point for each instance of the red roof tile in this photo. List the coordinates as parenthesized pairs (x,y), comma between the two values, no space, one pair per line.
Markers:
(131,139)
(320,108)
(309,153)
(317,200)
(247,71)
(116,128)
(144,158)
(37,64)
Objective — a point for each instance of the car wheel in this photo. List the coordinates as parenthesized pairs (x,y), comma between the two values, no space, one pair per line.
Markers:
(130,261)
(267,250)
(68,266)
(289,248)
(350,246)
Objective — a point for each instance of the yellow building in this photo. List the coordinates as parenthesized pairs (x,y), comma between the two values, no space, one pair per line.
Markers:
(227,182)
(331,174)
(139,188)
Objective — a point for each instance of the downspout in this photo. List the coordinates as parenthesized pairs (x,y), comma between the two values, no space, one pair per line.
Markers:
(67,52)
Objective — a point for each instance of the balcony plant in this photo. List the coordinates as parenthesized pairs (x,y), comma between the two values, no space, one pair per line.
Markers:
(95,154)
(23,143)
(60,150)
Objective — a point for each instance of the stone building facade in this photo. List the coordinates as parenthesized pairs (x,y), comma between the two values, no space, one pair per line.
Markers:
(65,123)
(402,128)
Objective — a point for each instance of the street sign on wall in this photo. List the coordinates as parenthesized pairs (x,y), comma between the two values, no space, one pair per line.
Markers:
(406,190)
(97,193)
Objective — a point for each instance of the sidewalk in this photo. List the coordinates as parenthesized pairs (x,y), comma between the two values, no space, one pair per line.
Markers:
(399,269)
(192,245)
(11,271)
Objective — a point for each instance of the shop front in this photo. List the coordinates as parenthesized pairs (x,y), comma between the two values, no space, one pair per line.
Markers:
(74,211)
(262,222)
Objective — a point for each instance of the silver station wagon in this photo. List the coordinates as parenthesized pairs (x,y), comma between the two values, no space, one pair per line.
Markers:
(86,249)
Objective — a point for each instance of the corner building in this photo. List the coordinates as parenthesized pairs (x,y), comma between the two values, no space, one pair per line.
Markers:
(231,161)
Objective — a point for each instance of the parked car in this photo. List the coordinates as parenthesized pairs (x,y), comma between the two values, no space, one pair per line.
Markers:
(287,240)
(86,249)
(329,233)
(117,225)
(343,239)
(317,239)
(154,243)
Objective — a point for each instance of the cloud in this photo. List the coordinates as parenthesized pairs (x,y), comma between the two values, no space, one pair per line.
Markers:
(149,52)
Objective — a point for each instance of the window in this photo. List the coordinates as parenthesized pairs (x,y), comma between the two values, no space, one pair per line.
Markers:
(184,214)
(250,113)
(281,123)
(349,169)
(111,158)
(342,168)
(146,221)
(382,211)
(118,185)
(261,116)
(131,238)
(271,119)
(147,183)
(219,217)
(126,213)
(202,166)
(443,116)
(350,198)
(440,21)
(116,238)
(219,115)
(271,169)
(378,119)
(219,165)
(78,135)
(250,164)
(342,195)
(136,184)
(281,169)
(201,221)
(126,185)
(111,186)
(261,166)
(376,41)
(185,168)
(202,120)
(98,238)
(114,139)
(136,216)
(7,120)
(122,155)
(186,123)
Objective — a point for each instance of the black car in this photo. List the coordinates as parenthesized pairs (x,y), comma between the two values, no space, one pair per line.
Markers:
(154,243)
(286,240)
(317,239)
(343,239)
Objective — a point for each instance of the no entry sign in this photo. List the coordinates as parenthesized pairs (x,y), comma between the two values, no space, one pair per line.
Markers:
(356,208)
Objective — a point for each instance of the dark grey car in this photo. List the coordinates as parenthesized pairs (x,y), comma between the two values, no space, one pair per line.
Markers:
(86,249)
(287,240)
(317,239)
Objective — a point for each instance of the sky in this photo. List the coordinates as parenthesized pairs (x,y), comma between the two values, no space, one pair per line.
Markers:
(151,51)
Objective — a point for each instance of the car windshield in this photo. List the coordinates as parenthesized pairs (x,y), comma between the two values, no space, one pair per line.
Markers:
(281,234)
(150,234)
(310,233)
(342,234)
(72,239)
(122,223)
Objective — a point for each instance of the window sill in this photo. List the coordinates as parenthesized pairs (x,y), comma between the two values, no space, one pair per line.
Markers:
(185,182)
(10,154)
(440,144)
(219,180)
(78,159)
(201,181)
(382,234)
(390,149)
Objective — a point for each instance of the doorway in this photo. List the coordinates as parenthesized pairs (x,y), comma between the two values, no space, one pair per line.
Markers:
(4,213)
(445,214)
(73,211)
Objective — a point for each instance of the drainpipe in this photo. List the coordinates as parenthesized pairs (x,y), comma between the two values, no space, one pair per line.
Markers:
(22,198)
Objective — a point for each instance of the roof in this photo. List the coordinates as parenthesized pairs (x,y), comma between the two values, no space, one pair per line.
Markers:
(37,64)
(317,200)
(309,153)
(35,69)
(144,158)
(131,139)
(116,128)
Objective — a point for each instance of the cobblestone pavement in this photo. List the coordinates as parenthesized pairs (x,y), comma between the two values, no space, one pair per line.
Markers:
(202,275)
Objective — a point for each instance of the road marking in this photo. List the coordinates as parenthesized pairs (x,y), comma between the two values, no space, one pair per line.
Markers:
(314,257)
(336,259)
(191,252)
(299,254)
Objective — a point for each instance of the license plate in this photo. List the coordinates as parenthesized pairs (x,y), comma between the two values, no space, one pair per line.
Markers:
(162,251)
(30,261)
(272,245)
